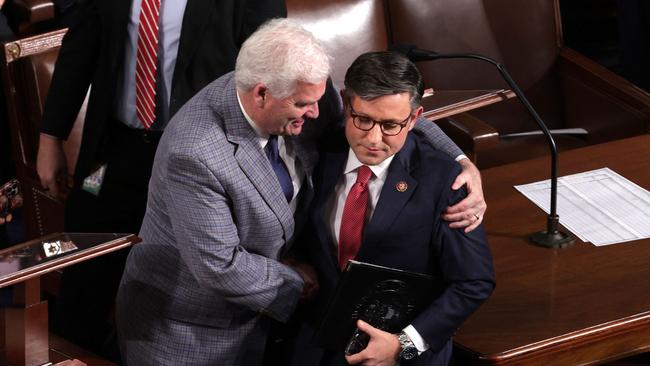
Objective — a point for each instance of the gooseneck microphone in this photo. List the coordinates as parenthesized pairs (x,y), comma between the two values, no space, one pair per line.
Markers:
(552,237)
(413,53)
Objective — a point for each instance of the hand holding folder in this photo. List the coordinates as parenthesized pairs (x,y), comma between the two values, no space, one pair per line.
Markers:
(386,298)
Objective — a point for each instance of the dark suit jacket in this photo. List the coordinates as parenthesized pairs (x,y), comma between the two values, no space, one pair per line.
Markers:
(93,51)
(406,232)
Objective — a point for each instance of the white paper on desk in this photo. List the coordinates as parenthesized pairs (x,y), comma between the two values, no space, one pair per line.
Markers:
(598,206)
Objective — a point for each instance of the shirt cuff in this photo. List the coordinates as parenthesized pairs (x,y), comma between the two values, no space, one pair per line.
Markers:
(461,157)
(416,338)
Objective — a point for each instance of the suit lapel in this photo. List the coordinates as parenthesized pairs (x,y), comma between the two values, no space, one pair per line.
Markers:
(253,161)
(391,200)
(122,15)
(333,165)
(306,157)
(305,154)
(198,15)
(120,26)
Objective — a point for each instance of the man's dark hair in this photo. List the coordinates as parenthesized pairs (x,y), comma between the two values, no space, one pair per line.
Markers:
(376,74)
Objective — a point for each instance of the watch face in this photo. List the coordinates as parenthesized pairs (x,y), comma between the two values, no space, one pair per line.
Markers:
(409,352)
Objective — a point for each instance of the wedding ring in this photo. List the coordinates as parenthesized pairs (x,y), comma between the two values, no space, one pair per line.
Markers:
(477,218)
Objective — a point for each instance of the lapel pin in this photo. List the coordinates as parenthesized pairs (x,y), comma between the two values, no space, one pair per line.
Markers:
(401,186)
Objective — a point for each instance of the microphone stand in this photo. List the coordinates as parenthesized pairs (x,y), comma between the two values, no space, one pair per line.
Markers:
(551,237)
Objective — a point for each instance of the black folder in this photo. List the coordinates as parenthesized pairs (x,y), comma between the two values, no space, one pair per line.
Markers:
(386,298)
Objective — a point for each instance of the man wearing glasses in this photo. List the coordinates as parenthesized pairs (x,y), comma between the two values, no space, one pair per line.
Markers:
(380,195)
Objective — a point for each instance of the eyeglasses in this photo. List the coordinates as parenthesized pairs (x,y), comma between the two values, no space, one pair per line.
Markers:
(388,128)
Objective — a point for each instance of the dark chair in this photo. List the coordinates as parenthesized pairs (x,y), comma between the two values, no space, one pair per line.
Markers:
(26,14)
(348,28)
(26,72)
(567,89)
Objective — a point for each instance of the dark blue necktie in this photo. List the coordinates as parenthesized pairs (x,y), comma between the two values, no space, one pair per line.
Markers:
(279,168)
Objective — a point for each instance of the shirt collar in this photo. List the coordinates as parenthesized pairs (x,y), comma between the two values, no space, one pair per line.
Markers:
(380,170)
(262,136)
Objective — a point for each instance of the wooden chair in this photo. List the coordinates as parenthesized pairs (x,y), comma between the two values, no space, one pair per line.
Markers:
(567,89)
(27,69)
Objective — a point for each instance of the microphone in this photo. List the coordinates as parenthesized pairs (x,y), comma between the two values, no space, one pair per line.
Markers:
(413,53)
(551,237)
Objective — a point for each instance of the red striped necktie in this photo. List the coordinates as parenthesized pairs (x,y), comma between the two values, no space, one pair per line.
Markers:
(145,72)
(354,217)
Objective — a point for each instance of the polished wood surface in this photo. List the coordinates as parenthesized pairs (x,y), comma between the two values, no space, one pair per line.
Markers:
(25,325)
(445,103)
(65,353)
(578,305)
(23,267)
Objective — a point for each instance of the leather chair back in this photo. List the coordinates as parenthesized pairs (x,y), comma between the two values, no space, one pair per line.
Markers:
(566,89)
(25,15)
(523,35)
(347,27)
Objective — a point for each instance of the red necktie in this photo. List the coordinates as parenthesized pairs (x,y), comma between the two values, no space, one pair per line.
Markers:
(145,71)
(354,217)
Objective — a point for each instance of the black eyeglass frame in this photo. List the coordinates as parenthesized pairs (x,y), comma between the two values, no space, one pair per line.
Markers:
(381,124)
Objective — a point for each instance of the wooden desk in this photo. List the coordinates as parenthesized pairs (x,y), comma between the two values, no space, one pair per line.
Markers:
(26,322)
(578,305)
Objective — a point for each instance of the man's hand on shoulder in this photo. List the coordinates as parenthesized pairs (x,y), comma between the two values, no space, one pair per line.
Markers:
(469,212)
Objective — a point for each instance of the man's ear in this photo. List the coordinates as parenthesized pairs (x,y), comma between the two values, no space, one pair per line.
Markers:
(415,115)
(260,93)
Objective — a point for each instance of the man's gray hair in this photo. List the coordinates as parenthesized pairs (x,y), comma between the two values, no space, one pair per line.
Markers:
(279,54)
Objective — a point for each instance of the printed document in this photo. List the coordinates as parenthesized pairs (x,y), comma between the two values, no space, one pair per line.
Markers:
(598,206)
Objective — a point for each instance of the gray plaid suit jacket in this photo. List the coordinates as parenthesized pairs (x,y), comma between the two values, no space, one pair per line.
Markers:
(200,287)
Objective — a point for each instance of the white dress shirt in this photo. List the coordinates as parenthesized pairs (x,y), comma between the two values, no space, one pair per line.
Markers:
(337,203)
(345,183)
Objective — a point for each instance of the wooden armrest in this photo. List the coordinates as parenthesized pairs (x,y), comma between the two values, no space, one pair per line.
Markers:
(554,132)
(598,77)
(32,11)
(595,97)
(471,134)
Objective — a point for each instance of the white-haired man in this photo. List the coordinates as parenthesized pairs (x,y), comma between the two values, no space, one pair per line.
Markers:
(229,188)
(206,280)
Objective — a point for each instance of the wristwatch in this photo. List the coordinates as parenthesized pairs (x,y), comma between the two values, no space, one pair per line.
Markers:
(408,348)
